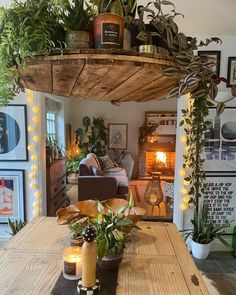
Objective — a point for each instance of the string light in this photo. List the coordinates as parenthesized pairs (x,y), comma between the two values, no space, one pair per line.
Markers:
(182,172)
(36,138)
(34,157)
(34,167)
(31,128)
(36,204)
(32,175)
(186,199)
(186,183)
(37,195)
(35,109)
(183,138)
(36,119)
(184,206)
(184,191)
(30,147)
(33,185)
(36,213)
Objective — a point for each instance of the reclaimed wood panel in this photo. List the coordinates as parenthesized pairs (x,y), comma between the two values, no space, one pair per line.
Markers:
(110,75)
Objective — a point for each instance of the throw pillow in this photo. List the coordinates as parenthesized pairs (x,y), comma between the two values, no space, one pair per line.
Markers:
(97,172)
(105,162)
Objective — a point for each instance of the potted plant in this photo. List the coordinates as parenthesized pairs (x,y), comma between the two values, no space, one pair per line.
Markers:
(92,137)
(76,227)
(112,230)
(204,232)
(77,17)
(108,25)
(129,11)
(26,27)
(72,167)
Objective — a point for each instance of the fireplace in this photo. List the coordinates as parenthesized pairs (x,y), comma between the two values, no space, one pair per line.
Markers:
(156,159)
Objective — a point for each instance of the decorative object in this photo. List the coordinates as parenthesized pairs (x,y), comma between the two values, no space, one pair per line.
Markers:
(204,232)
(12,195)
(153,194)
(72,167)
(89,284)
(117,136)
(231,77)
(77,20)
(13,133)
(92,138)
(76,227)
(126,162)
(219,152)
(215,55)
(72,263)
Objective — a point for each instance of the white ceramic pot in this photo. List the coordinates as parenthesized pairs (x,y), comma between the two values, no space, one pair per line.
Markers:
(72,178)
(200,251)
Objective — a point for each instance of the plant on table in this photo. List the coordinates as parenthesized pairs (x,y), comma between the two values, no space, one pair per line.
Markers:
(92,137)
(15,226)
(25,27)
(76,227)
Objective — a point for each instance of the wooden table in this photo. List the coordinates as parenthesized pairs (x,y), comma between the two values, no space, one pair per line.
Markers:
(155,262)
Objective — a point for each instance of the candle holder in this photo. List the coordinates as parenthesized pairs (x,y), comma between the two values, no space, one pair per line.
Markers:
(72,263)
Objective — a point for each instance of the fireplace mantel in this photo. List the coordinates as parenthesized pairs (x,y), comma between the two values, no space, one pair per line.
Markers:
(160,146)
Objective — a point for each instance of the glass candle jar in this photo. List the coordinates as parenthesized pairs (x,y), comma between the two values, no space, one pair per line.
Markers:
(72,263)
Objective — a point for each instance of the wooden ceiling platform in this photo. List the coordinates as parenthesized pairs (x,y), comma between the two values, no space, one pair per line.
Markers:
(102,75)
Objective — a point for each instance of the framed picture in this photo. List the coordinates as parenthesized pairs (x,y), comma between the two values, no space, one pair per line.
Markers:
(117,136)
(220,196)
(231,77)
(12,195)
(220,148)
(215,54)
(13,133)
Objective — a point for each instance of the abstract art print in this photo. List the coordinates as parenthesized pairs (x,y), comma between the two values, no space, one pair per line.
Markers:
(220,148)
(12,195)
(13,133)
(117,136)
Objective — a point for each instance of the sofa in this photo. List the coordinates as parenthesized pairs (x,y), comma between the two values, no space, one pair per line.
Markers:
(95,182)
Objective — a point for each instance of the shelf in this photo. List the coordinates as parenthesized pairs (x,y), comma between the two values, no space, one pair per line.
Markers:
(106,75)
(163,146)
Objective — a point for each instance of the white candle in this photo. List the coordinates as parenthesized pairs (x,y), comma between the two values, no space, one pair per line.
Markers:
(72,263)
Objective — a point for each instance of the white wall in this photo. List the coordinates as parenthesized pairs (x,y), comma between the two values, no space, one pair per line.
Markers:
(131,113)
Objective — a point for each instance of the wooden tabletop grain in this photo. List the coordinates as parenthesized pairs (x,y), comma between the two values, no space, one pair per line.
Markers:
(156,261)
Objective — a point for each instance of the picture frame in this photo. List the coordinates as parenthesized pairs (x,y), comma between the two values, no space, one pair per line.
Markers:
(231,76)
(12,195)
(220,148)
(212,53)
(13,133)
(117,136)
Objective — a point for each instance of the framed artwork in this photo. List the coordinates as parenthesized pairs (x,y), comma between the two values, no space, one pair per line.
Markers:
(117,136)
(12,195)
(231,77)
(220,148)
(220,196)
(215,54)
(13,133)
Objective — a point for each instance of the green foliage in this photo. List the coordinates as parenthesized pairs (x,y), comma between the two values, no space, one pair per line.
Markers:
(77,226)
(24,27)
(92,138)
(76,15)
(111,229)
(203,231)
(106,6)
(72,164)
(15,226)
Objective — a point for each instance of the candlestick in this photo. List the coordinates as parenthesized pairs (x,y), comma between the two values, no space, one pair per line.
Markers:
(89,284)
(72,263)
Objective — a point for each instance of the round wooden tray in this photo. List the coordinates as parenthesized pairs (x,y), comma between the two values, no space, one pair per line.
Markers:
(108,75)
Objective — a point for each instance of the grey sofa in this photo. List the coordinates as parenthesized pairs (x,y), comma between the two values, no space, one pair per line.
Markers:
(112,183)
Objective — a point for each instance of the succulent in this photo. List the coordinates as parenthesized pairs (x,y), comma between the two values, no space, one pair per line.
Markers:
(15,226)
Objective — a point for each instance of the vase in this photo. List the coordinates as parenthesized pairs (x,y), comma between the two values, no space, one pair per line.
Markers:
(78,39)
(200,251)
(72,178)
(108,31)
(110,262)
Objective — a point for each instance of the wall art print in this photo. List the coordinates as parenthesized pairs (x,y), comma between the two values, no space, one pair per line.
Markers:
(212,54)
(220,149)
(12,195)
(117,136)
(231,77)
(13,133)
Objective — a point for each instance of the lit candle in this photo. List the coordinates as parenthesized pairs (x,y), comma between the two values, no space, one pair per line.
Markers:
(153,198)
(72,263)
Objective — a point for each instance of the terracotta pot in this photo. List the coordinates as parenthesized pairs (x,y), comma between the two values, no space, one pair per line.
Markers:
(108,31)
(78,39)
(110,262)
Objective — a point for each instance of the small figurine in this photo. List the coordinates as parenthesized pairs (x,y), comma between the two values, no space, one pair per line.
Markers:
(89,284)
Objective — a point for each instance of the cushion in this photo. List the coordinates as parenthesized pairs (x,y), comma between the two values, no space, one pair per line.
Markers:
(90,160)
(97,172)
(105,162)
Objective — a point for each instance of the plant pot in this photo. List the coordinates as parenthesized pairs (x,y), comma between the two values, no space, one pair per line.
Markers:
(147,49)
(200,251)
(78,39)
(110,262)
(72,178)
(108,31)
(76,242)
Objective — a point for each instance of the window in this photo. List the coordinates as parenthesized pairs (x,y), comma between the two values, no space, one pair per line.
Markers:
(51,126)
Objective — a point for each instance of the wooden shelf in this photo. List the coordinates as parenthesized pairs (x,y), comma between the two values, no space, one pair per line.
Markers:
(108,75)
(163,146)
